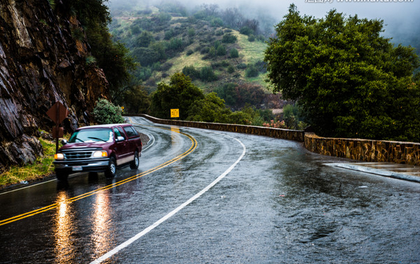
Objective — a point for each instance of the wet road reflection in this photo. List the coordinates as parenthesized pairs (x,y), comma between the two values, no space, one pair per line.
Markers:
(102,236)
(64,229)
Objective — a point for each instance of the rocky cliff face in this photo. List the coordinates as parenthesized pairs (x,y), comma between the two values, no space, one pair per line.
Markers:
(41,63)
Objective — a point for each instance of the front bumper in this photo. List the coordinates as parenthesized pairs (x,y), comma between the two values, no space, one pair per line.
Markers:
(87,165)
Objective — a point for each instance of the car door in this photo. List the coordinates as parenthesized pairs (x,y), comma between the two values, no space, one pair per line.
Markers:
(122,149)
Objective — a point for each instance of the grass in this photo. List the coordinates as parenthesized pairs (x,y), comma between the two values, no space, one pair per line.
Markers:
(251,51)
(180,62)
(42,167)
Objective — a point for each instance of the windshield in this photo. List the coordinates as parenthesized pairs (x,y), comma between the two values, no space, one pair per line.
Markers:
(92,135)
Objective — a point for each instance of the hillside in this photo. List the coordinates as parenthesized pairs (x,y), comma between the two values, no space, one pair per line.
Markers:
(42,63)
(166,39)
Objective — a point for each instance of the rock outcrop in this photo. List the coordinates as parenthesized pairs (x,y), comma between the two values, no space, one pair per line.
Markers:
(41,63)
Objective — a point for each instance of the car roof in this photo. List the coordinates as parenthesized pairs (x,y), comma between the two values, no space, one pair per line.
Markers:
(105,126)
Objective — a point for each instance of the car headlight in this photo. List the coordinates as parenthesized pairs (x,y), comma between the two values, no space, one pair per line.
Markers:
(100,154)
(59,156)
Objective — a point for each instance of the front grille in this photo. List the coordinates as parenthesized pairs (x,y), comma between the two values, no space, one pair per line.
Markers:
(78,155)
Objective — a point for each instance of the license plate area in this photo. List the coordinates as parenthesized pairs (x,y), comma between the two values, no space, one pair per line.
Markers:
(77,168)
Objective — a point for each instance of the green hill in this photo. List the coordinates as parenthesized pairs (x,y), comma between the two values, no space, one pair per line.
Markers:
(166,39)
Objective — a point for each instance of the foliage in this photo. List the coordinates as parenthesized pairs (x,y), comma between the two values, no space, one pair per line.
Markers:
(106,112)
(43,166)
(251,71)
(350,81)
(144,39)
(191,72)
(111,56)
(292,116)
(136,100)
(221,50)
(246,31)
(234,53)
(180,94)
(146,56)
(207,74)
(209,109)
(229,38)
(237,96)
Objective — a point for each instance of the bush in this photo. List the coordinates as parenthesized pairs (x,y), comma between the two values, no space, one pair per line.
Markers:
(241,66)
(191,72)
(191,32)
(207,74)
(234,53)
(230,69)
(229,38)
(251,71)
(221,50)
(246,31)
(106,112)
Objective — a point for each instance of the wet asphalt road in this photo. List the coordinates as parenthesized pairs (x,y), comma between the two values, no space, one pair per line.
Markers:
(278,204)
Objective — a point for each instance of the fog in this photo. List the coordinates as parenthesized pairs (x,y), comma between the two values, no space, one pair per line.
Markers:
(401,17)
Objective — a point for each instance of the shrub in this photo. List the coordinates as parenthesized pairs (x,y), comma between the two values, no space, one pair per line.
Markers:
(191,72)
(251,71)
(106,112)
(229,38)
(234,53)
(191,32)
(230,69)
(204,50)
(207,74)
(241,66)
(246,31)
(221,50)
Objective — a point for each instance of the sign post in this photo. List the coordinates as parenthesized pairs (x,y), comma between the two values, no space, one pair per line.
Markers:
(58,112)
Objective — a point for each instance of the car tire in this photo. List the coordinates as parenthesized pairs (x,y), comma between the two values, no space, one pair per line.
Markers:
(112,168)
(135,163)
(62,176)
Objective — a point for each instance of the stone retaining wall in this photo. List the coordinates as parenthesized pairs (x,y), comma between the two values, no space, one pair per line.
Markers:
(365,149)
(296,135)
(356,149)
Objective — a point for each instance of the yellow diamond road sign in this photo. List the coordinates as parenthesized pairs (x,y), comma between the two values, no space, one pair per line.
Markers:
(174,113)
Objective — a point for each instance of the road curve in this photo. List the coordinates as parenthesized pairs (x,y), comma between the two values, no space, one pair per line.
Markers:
(217,197)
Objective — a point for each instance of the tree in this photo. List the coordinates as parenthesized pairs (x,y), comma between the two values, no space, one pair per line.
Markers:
(106,112)
(209,109)
(350,81)
(180,94)
(136,100)
(144,39)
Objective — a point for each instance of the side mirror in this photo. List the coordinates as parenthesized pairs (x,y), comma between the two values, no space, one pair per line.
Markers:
(120,138)
(64,142)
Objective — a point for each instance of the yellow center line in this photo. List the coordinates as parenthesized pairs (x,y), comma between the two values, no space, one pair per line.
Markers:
(107,187)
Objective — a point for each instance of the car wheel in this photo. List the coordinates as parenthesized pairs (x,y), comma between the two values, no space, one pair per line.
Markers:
(135,163)
(112,168)
(62,176)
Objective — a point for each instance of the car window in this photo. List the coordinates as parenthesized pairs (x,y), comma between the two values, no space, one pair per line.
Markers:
(118,133)
(91,135)
(131,132)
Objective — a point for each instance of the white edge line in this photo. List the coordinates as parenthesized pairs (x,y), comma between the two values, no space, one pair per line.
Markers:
(172,213)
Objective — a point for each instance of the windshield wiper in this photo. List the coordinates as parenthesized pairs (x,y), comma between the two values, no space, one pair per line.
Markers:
(78,139)
(98,139)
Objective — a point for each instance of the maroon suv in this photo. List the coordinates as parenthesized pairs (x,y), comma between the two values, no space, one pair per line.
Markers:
(100,148)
